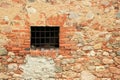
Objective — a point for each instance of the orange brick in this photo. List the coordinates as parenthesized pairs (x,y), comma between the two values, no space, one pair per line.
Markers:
(3,22)
(64,39)
(16,24)
(15,30)
(35,53)
(27,41)
(18,71)
(65,44)
(24,52)
(18,1)
(53,55)
(16,48)
(17,17)
(25,45)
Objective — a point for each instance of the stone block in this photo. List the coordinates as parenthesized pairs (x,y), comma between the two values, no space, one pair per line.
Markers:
(3,51)
(108,61)
(85,75)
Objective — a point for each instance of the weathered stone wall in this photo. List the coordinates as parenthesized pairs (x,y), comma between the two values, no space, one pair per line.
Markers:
(89,38)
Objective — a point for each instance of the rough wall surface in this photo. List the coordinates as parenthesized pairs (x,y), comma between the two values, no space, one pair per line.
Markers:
(38,68)
(89,37)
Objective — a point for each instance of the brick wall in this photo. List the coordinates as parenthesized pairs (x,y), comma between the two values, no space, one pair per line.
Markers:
(89,35)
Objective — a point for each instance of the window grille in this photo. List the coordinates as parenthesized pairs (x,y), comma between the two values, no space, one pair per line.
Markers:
(44,37)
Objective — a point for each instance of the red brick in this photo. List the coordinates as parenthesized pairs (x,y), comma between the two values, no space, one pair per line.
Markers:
(64,39)
(18,71)
(65,44)
(27,41)
(53,55)
(17,24)
(17,1)
(3,22)
(17,17)
(24,52)
(23,30)
(35,53)
(16,48)
(27,23)
(56,20)
(15,30)
(25,46)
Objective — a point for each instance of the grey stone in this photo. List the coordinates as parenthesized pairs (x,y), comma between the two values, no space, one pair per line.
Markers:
(1,66)
(68,61)
(64,61)
(3,51)
(105,54)
(71,74)
(63,11)
(71,61)
(95,61)
(80,53)
(90,15)
(107,10)
(116,44)
(107,37)
(31,0)
(3,76)
(31,10)
(99,53)
(86,3)
(115,33)
(76,67)
(38,68)
(80,44)
(12,66)
(106,79)
(105,2)
(16,75)
(9,59)
(76,79)
(73,15)
(118,15)
(113,54)
(6,29)
(98,46)
(118,53)
(60,57)
(117,21)
(92,53)
(11,54)
(87,48)
(100,68)
(85,75)
(108,61)
(58,69)
(6,18)
(91,67)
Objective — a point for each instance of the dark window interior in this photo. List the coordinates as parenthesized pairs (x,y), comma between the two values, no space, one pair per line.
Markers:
(44,37)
